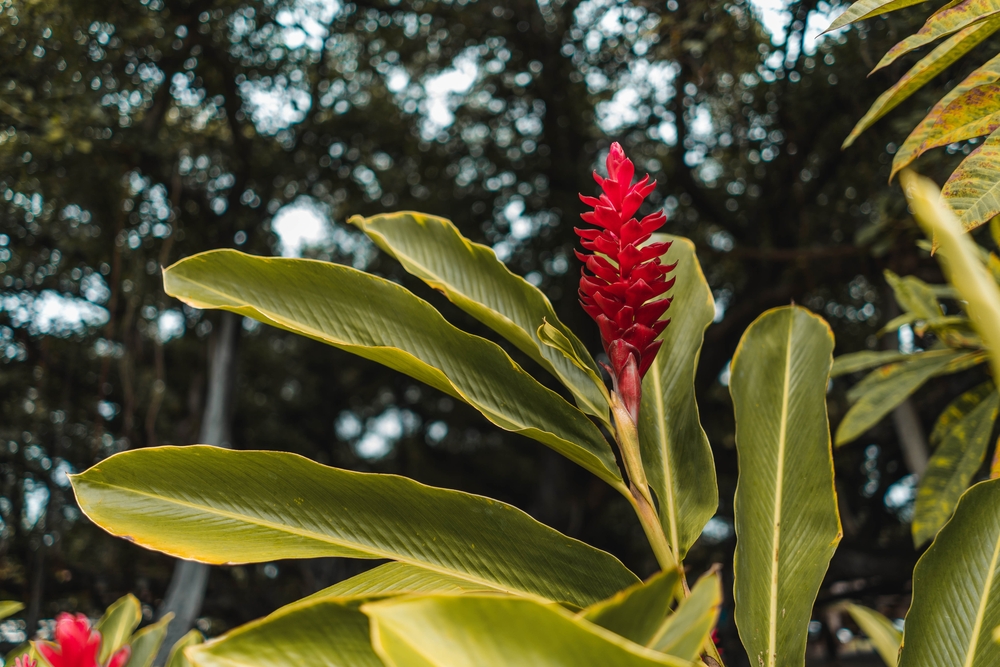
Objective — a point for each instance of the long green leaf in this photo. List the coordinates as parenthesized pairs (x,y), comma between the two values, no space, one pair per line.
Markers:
(885,388)
(146,643)
(379,320)
(862,361)
(956,590)
(318,633)
(177,657)
(864,9)
(222,506)
(914,296)
(471,276)
(9,608)
(973,189)
(787,526)
(116,626)
(398,579)
(638,612)
(685,633)
(958,409)
(676,453)
(478,630)
(938,60)
(952,467)
(881,632)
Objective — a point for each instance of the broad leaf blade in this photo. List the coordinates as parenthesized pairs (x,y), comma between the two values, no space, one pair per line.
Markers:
(379,320)
(116,626)
(958,409)
(938,60)
(222,506)
(952,467)
(471,276)
(398,579)
(177,657)
(787,526)
(686,631)
(9,608)
(676,453)
(146,643)
(956,588)
(477,630)
(864,9)
(947,21)
(317,633)
(881,632)
(973,189)
(637,612)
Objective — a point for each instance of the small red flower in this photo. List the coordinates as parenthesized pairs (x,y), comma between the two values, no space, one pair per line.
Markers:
(623,279)
(77,645)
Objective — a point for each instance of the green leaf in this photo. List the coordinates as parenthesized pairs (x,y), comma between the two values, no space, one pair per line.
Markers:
(946,21)
(177,657)
(968,110)
(9,608)
(676,453)
(952,467)
(685,633)
(555,339)
(116,626)
(221,506)
(881,632)
(787,526)
(860,361)
(938,60)
(319,633)
(638,612)
(146,643)
(471,276)
(956,596)
(477,630)
(958,409)
(379,320)
(864,9)
(885,388)
(960,259)
(914,296)
(973,189)
(397,579)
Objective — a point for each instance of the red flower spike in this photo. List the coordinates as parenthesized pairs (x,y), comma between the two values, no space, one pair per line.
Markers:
(623,281)
(77,645)
(25,661)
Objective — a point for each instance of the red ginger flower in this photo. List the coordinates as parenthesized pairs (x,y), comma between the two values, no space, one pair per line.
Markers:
(77,645)
(25,661)
(623,278)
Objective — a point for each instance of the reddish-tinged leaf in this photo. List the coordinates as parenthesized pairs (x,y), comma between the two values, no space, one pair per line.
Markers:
(973,191)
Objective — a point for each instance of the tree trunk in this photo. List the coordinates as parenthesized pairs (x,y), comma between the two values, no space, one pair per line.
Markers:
(909,430)
(187,586)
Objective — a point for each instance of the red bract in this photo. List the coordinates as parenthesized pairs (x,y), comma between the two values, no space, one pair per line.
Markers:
(77,645)
(623,280)
(25,661)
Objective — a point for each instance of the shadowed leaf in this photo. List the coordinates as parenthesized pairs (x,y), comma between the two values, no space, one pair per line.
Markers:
(881,632)
(958,409)
(685,632)
(638,612)
(973,189)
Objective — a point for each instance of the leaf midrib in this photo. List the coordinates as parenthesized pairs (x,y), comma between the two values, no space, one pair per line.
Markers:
(667,466)
(981,611)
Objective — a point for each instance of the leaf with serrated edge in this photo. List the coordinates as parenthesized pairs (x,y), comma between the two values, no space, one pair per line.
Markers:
(938,60)
(329,632)
(116,626)
(221,506)
(398,579)
(687,630)
(379,320)
(476,630)
(787,525)
(471,276)
(881,632)
(951,468)
(973,189)
(676,453)
(958,409)
(864,9)
(956,592)
(146,643)
(638,612)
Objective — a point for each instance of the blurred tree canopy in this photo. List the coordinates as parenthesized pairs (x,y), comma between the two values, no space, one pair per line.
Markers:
(136,133)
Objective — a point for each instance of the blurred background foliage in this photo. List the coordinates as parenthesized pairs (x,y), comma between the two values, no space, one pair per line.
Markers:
(136,133)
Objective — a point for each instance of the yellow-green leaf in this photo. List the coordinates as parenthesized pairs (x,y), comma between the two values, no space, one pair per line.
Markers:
(956,596)
(379,320)
(471,276)
(685,633)
(914,296)
(861,361)
(116,626)
(222,506)
(555,339)
(951,468)
(146,643)
(177,657)
(638,612)
(958,409)
(9,608)
(477,630)
(397,579)
(676,453)
(973,189)
(787,525)
(926,69)
(864,9)
(881,632)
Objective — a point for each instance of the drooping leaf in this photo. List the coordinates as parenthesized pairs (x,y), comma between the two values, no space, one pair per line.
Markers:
(9,608)
(146,643)
(787,525)
(116,626)
(177,657)
(686,631)
(958,409)
(914,296)
(222,506)
(946,21)
(477,630)
(956,592)
(676,453)
(471,276)
(973,189)
(316,633)
(926,69)
(881,632)
(397,579)
(638,612)
(864,9)
(951,468)
(379,320)
(960,260)
(885,388)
